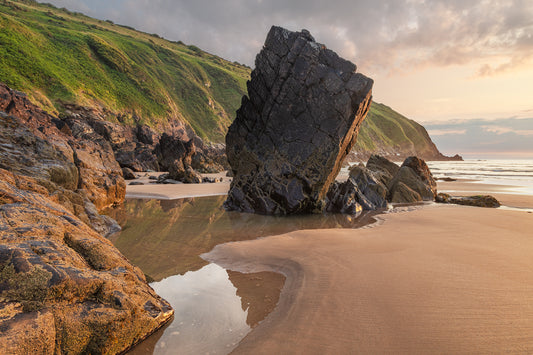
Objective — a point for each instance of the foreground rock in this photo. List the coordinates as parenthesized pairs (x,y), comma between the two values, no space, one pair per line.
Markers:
(304,108)
(63,287)
(477,201)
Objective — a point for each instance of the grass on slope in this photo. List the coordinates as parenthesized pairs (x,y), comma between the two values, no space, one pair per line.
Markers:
(60,56)
(384,127)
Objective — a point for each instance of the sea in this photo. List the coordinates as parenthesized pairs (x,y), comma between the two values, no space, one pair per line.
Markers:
(515,173)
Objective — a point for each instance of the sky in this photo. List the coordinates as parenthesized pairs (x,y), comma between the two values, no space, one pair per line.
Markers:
(433,61)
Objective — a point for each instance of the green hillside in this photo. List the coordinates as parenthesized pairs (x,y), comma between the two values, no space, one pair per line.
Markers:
(387,132)
(57,56)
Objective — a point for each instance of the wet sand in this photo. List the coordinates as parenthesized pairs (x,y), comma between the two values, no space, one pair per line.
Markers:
(507,195)
(442,278)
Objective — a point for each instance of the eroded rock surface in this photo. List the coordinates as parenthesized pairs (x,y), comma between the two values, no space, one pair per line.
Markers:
(304,108)
(63,287)
(39,145)
(381,181)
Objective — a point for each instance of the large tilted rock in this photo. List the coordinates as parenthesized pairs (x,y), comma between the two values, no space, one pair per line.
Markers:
(64,289)
(304,108)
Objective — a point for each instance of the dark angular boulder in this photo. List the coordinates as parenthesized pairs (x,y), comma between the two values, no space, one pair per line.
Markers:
(369,185)
(421,169)
(304,108)
(175,156)
(362,189)
(413,175)
(385,168)
(401,193)
(128,174)
(343,198)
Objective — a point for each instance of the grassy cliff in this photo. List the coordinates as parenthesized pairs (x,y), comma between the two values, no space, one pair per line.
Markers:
(388,133)
(58,56)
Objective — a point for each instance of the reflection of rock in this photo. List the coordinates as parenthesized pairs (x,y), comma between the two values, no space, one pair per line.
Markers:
(477,201)
(167,237)
(259,293)
(304,108)
(63,286)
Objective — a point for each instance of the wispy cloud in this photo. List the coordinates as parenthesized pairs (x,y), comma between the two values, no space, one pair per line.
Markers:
(504,136)
(381,35)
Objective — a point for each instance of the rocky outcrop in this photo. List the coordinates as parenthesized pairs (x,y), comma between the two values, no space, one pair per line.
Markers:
(175,156)
(140,148)
(476,201)
(63,287)
(41,146)
(380,182)
(362,188)
(413,182)
(304,108)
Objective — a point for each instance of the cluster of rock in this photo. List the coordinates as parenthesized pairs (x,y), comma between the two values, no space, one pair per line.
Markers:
(381,181)
(140,148)
(304,108)
(64,288)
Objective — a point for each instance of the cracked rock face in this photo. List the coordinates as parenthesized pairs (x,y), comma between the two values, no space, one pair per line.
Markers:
(301,117)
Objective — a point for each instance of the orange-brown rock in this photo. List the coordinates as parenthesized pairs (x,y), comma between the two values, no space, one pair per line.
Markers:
(37,144)
(63,287)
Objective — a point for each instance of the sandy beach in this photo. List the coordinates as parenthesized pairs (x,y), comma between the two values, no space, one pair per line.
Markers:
(175,191)
(440,278)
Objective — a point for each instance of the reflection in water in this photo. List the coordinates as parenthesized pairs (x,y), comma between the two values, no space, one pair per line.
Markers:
(259,293)
(167,237)
(208,313)
(214,308)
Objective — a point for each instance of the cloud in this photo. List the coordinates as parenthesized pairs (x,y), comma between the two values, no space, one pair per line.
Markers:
(379,35)
(502,136)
